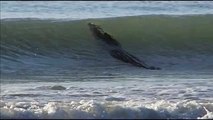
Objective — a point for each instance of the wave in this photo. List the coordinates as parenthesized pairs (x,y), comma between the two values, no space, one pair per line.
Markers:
(159,37)
(107,110)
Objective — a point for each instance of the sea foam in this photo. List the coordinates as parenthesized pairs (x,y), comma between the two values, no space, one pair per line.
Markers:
(93,109)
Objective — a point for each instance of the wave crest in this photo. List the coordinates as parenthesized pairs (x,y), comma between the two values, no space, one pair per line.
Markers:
(107,110)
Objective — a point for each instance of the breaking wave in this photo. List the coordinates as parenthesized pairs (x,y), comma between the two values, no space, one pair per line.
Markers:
(162,40)
(107,110)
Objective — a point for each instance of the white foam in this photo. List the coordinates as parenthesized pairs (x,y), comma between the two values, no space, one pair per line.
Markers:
(94,109)
(209,115)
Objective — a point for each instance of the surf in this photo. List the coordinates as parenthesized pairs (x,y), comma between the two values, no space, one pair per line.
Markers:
(162,37)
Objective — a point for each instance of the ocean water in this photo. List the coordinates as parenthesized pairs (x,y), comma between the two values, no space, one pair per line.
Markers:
(52,66)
